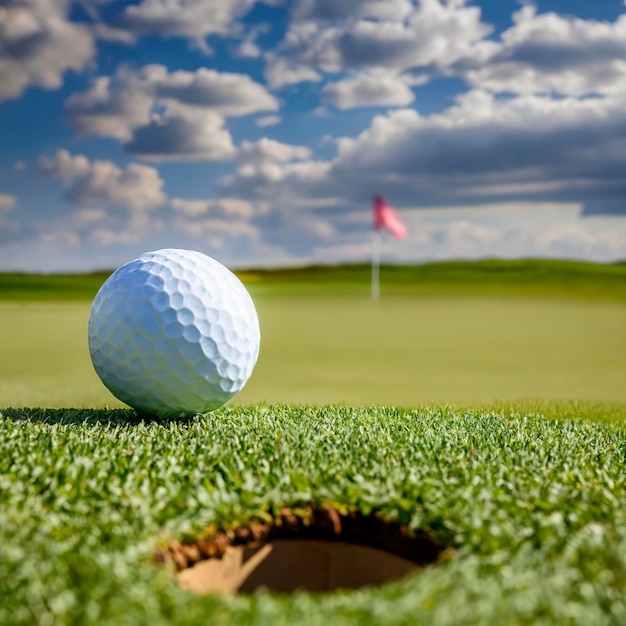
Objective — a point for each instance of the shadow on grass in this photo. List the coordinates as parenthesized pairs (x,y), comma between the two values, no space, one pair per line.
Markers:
(79,417)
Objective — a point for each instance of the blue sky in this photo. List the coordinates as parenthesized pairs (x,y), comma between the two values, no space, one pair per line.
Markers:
(257,132)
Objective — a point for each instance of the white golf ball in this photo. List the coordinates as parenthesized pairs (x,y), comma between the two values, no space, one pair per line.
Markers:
(173,333)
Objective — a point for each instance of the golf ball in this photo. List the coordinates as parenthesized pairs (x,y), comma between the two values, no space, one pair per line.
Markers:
(173,333)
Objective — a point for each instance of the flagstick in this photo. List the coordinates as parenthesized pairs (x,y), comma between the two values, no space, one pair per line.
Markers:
(375,264)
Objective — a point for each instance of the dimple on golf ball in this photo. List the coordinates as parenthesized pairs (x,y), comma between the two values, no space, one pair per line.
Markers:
(173,333)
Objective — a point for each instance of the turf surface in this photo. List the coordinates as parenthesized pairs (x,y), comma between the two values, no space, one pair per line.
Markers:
(531,499)
(314,349)
(548,278)
(532,502)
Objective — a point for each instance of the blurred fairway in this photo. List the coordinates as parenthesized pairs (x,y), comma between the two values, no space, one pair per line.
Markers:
(463,340)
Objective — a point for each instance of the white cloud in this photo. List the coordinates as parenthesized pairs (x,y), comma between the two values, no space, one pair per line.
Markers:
(38,45)
(291,183)
(223,92)
(368,90)
(7,202)
(235,207)
(163,116)
(330,10)
(104,32)
(269,151)
(185,18)
(191,208)
(248,47)
(431,34)
(551,53)
(129,230)
(89,216)
(281,71)
(183,135)
(268,120)
(222,208)
(481,149)
(219,222)
(481,140)
(216,231)
(558,232)
(504,231)
(65,166)
(115,105)
(137,187)
(486,150)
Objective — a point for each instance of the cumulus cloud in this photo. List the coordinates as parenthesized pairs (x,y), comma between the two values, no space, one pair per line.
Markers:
(281,71)
(498,230)
(268,120)
(395,36)
(184,18)
(290,183)
(552,53)
(215,232)
(542,53)
(65,166)
(218,227)
(368,90)
(223,92)
(269,151)
(483,141)
(38,45)
(481,149)
(104,32)
(248,46)
(89,216)
(191,208)
(115,105)
(122,230)
(507,142)
(217,221)
(168,116)
(270,169)
(118,207)
(183,135)
(137,187)
(7,202)
(221,208)
(330,10)
(525,229)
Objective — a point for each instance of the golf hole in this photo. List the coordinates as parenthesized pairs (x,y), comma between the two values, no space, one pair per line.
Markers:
(319,551)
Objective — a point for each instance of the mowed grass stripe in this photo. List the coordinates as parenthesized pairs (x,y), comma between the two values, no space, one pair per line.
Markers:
(534,510)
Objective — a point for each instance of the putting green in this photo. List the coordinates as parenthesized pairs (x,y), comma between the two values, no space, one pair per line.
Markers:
(406,349)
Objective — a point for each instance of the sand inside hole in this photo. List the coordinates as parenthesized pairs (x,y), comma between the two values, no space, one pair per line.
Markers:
(286,565)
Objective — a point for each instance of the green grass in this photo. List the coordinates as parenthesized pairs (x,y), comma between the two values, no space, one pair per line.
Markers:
(530,495)
(532,501)
(328,348)
(517,277)
(535,277)
(54,287)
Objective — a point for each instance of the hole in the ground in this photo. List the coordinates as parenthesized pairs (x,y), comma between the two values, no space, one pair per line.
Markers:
(317,550)
(288,564)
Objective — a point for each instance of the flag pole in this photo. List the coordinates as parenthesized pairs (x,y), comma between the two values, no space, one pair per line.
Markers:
(384,217)
(375,264)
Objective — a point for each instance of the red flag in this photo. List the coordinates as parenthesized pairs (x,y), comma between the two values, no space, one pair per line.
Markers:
(386,217)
